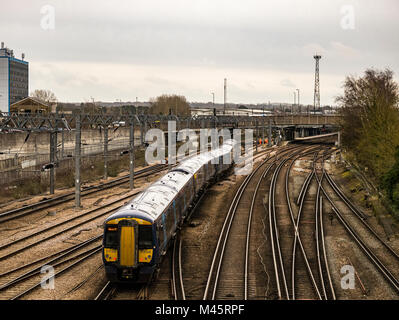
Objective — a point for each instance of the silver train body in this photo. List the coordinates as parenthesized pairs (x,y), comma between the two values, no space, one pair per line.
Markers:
(137,236)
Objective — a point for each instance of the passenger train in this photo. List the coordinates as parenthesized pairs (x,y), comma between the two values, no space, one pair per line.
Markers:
(137,236)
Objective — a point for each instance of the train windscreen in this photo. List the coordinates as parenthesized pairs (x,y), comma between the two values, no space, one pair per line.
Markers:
(111,237)
(145,237)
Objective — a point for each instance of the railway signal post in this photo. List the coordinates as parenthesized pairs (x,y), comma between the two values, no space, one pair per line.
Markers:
(142,132)
(257,136)
(131,152)
(263,130)
(269,137)
(106,152)
(77,161)
(53,150)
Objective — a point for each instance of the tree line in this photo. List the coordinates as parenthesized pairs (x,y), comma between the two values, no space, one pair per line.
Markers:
(370,126)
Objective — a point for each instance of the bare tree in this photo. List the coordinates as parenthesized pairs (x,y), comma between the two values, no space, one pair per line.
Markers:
(170,104)
(46,96)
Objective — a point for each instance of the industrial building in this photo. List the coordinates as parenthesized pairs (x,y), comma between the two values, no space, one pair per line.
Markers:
(31,105)
(14,78)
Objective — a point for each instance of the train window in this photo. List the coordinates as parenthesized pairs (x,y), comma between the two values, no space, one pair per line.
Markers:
(111,238)
(145,237)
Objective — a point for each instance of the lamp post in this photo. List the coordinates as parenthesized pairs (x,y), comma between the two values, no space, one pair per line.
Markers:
(213,103)
(299,106)
(225,95)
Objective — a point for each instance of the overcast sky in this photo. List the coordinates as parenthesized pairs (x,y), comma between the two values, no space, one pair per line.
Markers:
(113,50)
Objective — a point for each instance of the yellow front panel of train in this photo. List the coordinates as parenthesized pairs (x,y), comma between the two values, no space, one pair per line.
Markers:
(110,255)
(145,255)
(127,247)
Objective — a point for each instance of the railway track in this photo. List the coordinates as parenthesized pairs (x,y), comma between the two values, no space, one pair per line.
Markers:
(54,201)
(282,221)
(47,203)
(112,291)
(20,281)
(21,244)
(322,261)
(235,286)
(234,237)
(18,245)
(312,264)
(27,281)
(380,254)
(308,221)
(178,291)
(302,222)
(107,291)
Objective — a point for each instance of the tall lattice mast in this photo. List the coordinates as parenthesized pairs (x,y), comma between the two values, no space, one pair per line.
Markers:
(316,103)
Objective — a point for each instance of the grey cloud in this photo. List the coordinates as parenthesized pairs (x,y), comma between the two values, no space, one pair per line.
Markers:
(226,34)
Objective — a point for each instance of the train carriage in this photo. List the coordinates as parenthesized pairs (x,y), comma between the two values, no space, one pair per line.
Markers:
(137,236)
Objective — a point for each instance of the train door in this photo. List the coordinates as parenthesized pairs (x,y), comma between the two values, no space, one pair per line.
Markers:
(128,234)
(170,221)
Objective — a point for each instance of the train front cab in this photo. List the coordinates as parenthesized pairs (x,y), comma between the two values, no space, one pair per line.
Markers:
(129,252)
